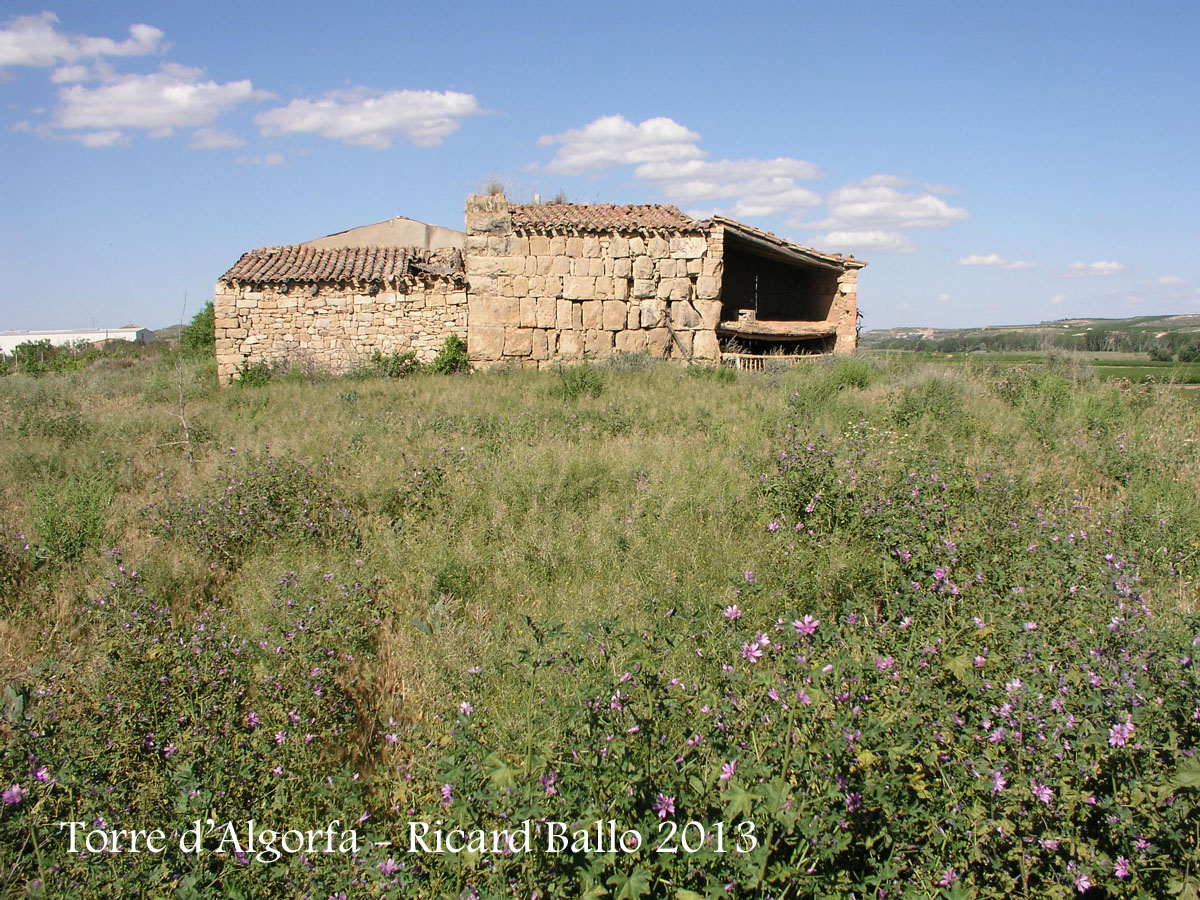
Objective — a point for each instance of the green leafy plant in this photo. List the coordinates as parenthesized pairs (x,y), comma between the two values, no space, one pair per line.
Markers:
(198,338)
(452,358)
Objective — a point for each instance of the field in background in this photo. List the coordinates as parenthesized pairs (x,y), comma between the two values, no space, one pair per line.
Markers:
(520,595)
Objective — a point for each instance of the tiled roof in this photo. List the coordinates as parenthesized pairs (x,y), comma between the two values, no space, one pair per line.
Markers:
(342,265)
(767,238)
(597,217)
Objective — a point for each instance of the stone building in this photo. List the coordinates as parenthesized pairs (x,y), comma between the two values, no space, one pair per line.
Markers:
(534,284)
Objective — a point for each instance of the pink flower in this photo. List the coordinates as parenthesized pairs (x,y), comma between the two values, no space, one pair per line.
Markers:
(252,719)
(733,613)
(1119,734)
(280,737)
(1122,867)
(806,626)
(447,794)
(1082,882)
(466,708)
(664,806)
(948,877)
(12,796)
(773,526)
(1042,792)
(751,652)
(388,866)
(728,770)
(999,782)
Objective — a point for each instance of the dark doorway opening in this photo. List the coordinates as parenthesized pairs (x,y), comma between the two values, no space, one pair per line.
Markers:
(761,287)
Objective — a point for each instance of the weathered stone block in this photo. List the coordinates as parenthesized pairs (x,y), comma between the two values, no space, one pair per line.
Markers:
(547,312)
(708,287)
(651,312)
(615,314)
(637,246)
(516,245)
(709,312)
(630,341)
(622,268)
(575,247)
(486,342)
(644,287)
(681,289)
(569,317)
(492,310)
(570,344)
(593,314)
(658,247)
(579,287)
(518,342)
(528,312)
(591,246)
(688,247)
(604,288)
(683,315)
(643,267)
(540,344)
(597,343)
(539,245)
(705,346)
(658,341)
(558,245)
(561,266)
(633,315)
(595,266)
(621,288)
(618,247)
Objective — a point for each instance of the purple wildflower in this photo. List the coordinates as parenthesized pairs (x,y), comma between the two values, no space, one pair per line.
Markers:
(664,806)
(806,626)
(728,770)
(12,796)
(1122,867)
(733,613)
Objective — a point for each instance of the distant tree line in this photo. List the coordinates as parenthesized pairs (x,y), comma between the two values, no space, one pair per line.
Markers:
(1183,346)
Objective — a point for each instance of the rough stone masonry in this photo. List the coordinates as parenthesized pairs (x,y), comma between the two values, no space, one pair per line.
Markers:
(536,284)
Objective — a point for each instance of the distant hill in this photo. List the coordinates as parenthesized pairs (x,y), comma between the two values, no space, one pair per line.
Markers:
(1138,334)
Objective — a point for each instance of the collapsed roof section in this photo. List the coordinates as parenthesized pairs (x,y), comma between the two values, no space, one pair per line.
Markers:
(363,266)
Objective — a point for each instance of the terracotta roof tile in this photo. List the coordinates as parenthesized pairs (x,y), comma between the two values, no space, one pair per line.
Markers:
(597,217)
(356,265)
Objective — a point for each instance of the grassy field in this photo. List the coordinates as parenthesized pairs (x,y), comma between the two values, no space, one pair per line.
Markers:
(1135,367)
(879,624)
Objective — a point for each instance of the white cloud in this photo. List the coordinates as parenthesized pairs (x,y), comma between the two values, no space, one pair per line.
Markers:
(997,261)
(904,307)
(371,118)
(667,155)
(876,204)
(1100,268)
(108,138)
(1058,298)
(757,187)
(271,159)
(1170,281)
(613,141)
(71,74)
(943,297)
(214,139)
(173,97)
(34,41)
(878,241)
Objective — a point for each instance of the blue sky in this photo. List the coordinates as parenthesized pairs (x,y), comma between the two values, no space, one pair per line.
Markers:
(994,162)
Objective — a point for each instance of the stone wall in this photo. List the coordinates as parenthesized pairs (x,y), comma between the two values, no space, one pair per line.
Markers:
(844,312)
(332,328)
(537,298)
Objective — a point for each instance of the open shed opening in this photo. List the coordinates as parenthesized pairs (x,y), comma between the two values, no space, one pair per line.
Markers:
(768,285)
